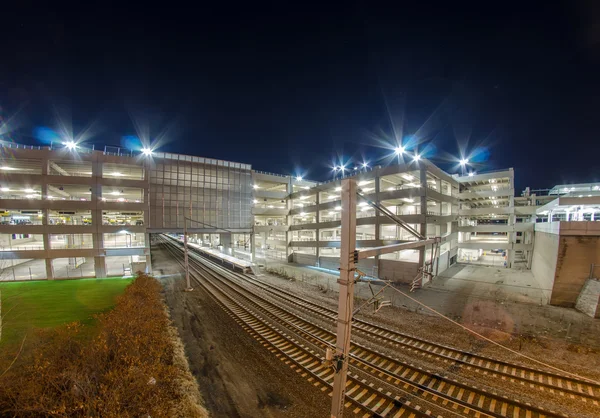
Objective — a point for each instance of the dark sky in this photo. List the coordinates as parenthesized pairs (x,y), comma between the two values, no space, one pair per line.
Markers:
(289,87)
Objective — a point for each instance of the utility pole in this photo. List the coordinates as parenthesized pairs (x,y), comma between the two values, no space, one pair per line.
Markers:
(348,258)
(346,296)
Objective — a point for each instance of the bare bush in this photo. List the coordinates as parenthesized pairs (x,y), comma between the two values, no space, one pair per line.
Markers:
(130,367)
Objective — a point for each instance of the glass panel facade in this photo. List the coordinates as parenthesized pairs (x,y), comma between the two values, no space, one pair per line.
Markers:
(215,195)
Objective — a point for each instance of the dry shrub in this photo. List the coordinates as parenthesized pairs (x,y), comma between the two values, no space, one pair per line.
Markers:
(132,367)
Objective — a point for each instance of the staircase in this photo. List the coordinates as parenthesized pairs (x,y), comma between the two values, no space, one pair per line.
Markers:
(255,270)
(519,261)
(417,282)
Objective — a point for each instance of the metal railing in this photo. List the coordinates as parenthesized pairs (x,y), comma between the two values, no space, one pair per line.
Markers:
(278,223)
(300,239)
(22,223)
(14,145)
(436,189)
(271,174)
(119,151)
(351,173)
(23,247)
(486,190)
(502,170)
(266,206)
(21,197)
(201,160)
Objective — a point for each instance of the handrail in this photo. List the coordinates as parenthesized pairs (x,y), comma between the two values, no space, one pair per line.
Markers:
(485,172)
(15,145)
(271,174)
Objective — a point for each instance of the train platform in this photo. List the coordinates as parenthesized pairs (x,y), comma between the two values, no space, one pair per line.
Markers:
(216,255)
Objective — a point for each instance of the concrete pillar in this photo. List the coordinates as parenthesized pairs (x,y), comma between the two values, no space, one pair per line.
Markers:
(253,247)
(512,235)
(288,249)
(49,269)
(423,229)
(377,218)
(97,237)
(46,240)
(46,220)
(148,259)
(265,237)
(225,241)
(100,266)
(72,244)
(317,230)
(99,261)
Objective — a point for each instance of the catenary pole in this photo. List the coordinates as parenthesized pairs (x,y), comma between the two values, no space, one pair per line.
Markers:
(346,295)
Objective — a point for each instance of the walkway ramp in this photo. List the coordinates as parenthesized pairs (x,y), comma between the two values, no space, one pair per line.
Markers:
(588,301)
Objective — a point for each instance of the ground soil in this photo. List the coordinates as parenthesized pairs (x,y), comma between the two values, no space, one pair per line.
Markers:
(482,316)
(571,357)
(237,376)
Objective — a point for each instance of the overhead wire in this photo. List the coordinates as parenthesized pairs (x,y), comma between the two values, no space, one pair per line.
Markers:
(492,341)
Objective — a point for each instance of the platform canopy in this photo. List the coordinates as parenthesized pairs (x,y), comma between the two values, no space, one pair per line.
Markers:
(576,190)
(577,206)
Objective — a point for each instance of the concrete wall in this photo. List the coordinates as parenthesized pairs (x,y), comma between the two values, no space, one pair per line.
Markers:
(575,255)
(442,263)
(398,271)
(308,259)
(333,263)
(543,265)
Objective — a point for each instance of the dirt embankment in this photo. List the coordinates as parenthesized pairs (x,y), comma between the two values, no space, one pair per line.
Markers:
(129,363)
(238,377)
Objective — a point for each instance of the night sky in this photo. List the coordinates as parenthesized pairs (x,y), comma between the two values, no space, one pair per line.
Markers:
(293,87)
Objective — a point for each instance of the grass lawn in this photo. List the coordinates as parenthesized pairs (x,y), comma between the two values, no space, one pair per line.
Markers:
(41,304)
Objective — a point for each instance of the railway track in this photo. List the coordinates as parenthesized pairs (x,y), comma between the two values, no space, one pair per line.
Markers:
(533,378)
(404,379)
(362,398)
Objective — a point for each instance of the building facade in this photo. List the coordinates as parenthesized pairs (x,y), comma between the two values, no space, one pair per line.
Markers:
(300,221)
(86,213)
(77,212)
(477,216)
(495,227)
